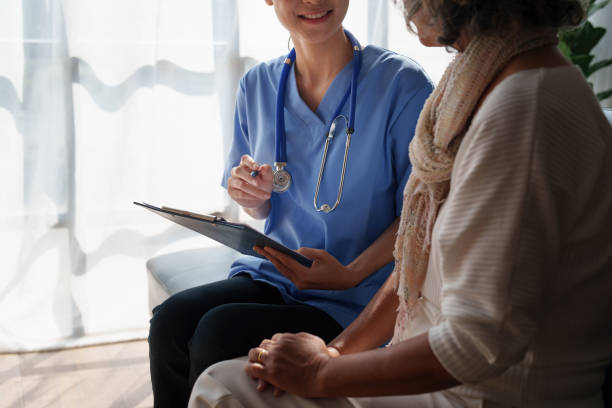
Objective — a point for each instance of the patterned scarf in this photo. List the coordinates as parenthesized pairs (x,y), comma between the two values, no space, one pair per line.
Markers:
(439,131)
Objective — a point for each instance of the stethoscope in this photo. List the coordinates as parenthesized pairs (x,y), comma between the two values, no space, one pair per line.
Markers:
(281,180)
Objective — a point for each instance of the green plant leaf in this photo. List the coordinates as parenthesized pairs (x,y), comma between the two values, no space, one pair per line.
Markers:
(604,95)
(569,38)
(565,49)
(583,39)
(599,65)
(583,62)
(586,38)
(594,6)
(576,44)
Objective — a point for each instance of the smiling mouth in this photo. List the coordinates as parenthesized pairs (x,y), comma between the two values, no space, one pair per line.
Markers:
(315,16)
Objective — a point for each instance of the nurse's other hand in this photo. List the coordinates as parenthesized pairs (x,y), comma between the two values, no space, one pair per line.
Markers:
(246,190)
(325,273)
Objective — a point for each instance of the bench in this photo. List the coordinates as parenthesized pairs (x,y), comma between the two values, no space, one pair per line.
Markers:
(171,273)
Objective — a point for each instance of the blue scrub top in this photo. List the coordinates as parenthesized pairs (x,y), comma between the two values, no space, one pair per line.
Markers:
(390,94)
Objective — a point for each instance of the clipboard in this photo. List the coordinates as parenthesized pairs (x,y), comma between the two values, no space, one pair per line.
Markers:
(237,236)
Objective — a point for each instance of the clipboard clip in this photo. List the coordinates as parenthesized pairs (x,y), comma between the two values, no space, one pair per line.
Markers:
(211,218)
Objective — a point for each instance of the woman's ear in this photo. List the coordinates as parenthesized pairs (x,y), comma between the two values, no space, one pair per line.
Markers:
(269,2)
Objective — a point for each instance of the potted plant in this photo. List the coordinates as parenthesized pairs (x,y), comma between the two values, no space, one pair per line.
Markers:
(577,45)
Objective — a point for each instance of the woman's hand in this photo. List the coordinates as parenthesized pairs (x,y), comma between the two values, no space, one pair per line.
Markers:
(325,273)
(290,362)
(251,192)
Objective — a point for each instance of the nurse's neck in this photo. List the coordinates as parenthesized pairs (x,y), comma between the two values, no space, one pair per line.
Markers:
(317,64)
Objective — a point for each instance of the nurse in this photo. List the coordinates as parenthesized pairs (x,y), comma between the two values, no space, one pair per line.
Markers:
(329,86)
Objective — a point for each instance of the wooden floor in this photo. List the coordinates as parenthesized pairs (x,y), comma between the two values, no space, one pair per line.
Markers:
(115,375)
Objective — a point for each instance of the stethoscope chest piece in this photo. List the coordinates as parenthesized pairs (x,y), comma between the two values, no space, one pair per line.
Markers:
(281,180)
(325,208)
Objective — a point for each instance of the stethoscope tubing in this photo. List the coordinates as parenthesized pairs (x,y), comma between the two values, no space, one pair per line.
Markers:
(356,70)
(280,136)
(281,146)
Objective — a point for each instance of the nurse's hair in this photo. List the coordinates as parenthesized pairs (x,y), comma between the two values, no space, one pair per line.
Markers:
(490,17)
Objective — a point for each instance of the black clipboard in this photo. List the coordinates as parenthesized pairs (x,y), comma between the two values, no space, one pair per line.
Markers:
(237,236)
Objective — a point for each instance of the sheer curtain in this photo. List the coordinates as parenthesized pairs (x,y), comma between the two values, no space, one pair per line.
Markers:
(106,102)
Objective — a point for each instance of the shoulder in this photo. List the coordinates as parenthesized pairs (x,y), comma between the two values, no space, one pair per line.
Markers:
(395,69)
(543,115)
(263,74)
(556,96)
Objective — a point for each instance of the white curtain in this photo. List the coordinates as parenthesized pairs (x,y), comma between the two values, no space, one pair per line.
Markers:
(106,102)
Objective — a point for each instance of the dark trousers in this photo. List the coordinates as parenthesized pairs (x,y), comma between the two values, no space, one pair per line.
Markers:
(198,327)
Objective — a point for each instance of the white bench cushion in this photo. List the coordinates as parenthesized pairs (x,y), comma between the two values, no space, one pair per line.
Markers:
(171,273)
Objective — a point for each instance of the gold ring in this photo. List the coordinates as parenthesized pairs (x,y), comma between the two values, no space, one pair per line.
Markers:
(259,356)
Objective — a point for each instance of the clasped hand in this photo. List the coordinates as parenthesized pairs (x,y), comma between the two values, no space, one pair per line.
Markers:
(290,362)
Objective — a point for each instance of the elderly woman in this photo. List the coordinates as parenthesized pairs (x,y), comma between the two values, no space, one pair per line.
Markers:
(501,291)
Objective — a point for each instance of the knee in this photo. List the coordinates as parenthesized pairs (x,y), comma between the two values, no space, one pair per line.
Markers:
(211,389)
(228,371)
(164,325)
(213,338)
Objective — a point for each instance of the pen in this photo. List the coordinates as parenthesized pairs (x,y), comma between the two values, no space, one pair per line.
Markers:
(255,173)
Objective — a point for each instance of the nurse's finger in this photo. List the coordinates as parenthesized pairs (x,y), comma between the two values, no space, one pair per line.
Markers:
(263,178)
(266,170)
(282,268)
(290,268)
(293,273)
(285,259)
(247,189)
(261,251)
(312,253)
(245,200)
(243,173)
(266,174)
(239,194)
(248,162)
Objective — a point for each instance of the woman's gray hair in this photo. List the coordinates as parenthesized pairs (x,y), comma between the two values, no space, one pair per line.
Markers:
(495,16)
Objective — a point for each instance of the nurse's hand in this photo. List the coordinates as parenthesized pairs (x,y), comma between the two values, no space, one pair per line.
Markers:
(251,193)
(325,273)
